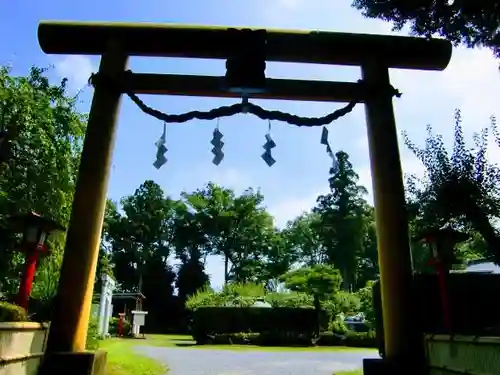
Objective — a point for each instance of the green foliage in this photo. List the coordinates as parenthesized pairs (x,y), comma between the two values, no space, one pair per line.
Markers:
(12,313)
(291,299)
(319,281)
(92,335)
(459,189)
(342,303)
(360,339)
(191,277)
(47,278)
(338,326)
(236,227)
(343,214)
(473,24)
(365,296)
(303,236)
(45,135)
(139,242)
(232,295)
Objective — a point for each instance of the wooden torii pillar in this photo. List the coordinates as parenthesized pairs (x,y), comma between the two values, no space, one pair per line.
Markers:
(115,42)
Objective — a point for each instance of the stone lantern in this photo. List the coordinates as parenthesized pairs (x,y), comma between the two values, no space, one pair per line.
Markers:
(35,230)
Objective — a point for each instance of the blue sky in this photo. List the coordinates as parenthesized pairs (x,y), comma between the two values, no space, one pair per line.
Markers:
(471,82)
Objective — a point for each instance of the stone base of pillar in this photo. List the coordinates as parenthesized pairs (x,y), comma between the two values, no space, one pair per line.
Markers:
(82,363)
(377,366)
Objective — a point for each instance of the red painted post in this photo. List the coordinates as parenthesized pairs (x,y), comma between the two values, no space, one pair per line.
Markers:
(29,274)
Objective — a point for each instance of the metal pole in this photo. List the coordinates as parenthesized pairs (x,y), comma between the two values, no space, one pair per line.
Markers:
(390,214)
(68,331)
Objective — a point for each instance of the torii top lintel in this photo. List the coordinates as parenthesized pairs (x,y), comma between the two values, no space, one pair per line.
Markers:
(172,40)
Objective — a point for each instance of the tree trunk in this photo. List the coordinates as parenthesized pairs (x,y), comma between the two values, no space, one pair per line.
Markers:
(346,282)
(317,307)
(226,271)
(140,283)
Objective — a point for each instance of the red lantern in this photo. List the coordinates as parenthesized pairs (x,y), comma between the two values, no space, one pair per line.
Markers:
(442,243)
(36,230)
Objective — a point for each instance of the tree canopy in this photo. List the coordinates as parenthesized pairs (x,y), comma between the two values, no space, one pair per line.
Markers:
(44,138)
(461,188)
(472,23)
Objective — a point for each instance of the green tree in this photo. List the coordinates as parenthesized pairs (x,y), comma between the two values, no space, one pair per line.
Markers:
(235,227)
(321,281)
(44,139)
(367,258)
(304,239)
(459,189)
(191,275)
(141,236)
(342,213)
(473,23)
(140,241)
(365,296)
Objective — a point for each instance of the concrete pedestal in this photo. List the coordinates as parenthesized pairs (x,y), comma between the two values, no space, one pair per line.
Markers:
(81,363)
(377,366)
(138,320)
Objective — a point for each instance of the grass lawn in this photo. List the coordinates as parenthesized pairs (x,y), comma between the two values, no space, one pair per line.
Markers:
(353,372)
(122,360)
(185,341)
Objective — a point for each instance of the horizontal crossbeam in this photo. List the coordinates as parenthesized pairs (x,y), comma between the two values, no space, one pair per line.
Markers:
(279,89)
(320,47)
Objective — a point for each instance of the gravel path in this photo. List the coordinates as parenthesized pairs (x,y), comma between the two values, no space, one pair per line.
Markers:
(183,361)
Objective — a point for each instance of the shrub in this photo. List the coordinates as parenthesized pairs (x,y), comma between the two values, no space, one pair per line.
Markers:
(365,296)
(92,335)
(330,339)
(342,303)
(360,339)
(12,313)
(232,295)
(291,299)
(338,326)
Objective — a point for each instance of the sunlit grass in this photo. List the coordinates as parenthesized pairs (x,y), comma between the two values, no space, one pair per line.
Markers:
(123,360)
(185,341)
(352,372)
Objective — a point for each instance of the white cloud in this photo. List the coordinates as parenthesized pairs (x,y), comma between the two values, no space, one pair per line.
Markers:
(77,69)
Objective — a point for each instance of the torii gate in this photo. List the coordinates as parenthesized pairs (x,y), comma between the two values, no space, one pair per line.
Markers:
(115,42)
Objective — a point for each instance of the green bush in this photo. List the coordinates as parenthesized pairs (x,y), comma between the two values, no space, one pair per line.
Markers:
(232,295)
(12,313)
(330,339)
(291,299)
(360,339)
(92,335)
(338,326)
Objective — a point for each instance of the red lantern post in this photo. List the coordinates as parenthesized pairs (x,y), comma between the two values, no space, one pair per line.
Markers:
(36,230)
(442,243)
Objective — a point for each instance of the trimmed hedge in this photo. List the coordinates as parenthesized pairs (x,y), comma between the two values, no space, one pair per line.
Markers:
(12,313)
(350,338)
(208,321)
